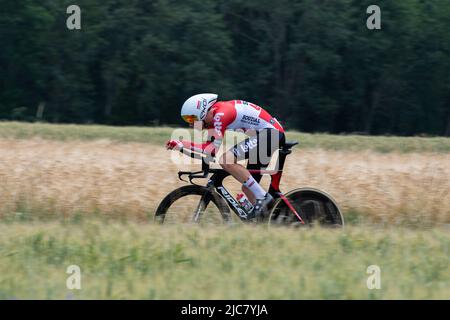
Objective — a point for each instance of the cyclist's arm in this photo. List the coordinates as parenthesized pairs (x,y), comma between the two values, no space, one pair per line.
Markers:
(206,148)
(192,154)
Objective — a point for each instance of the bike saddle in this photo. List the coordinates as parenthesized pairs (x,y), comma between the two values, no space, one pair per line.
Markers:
(289,144)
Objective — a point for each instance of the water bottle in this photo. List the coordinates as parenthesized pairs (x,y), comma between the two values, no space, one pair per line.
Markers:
(244,202)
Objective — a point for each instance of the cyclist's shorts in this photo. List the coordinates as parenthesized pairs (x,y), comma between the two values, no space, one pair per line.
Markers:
(259,148)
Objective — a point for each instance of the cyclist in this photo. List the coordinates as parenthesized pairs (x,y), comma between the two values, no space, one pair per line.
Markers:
(266,135)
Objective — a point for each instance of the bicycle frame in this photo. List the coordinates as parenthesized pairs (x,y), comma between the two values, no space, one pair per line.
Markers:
(218,175)
(216,182)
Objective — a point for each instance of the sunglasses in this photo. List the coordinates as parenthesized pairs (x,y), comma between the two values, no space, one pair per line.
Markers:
(190,119)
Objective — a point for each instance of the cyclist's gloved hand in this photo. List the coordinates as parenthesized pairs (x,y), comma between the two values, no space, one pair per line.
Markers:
(174,145)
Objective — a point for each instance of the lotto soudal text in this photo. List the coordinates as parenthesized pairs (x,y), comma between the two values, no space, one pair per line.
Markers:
(250,120)
(249,145)
(218,123)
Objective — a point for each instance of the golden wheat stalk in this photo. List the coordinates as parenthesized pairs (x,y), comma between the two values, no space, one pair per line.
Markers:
(42,177)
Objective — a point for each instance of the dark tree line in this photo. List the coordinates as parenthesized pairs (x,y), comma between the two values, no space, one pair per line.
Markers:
(312,63)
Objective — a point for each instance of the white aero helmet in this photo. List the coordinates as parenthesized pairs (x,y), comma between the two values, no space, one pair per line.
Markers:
(196,107)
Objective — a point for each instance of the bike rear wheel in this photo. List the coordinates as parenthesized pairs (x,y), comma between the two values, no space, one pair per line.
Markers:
(193,204)
(315,207)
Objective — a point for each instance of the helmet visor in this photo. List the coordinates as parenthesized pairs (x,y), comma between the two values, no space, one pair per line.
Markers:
(190,118)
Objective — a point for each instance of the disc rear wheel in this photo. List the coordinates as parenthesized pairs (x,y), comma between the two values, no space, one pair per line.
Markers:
(315,207)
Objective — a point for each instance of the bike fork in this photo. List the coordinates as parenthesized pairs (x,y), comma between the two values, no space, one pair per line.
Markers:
(202,204)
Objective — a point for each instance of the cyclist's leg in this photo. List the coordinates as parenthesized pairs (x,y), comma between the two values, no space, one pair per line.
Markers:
(242,151)
(252,166)
(258,149)
(269,141)
(228,161)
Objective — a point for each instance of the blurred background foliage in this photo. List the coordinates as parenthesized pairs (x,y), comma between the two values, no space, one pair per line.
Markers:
(312,63)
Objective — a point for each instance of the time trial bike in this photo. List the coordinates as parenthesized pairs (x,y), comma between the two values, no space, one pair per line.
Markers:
(212,202)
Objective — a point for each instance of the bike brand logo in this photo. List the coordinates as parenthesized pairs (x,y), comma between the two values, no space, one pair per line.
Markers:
(231,200)
(218,123)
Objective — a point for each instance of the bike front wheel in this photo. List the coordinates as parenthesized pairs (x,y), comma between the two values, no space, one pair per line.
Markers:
(193,204)
(315,207)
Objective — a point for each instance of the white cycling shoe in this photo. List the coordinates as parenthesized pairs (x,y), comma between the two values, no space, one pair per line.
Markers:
(261,205)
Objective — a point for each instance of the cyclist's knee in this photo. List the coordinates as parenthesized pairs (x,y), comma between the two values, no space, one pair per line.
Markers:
(226,166)
(227,160)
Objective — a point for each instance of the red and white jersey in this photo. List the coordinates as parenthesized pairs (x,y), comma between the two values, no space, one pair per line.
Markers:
(236,115)
(242,115)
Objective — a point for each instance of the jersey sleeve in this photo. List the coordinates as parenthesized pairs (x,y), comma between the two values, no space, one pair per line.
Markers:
(207,148)
(224,115)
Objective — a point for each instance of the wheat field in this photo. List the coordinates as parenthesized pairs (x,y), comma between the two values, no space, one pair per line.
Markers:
(55,179)
(86,196)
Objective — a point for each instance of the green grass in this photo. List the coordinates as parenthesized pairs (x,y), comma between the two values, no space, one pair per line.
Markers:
(68,132)
(131,261)
(158,135)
